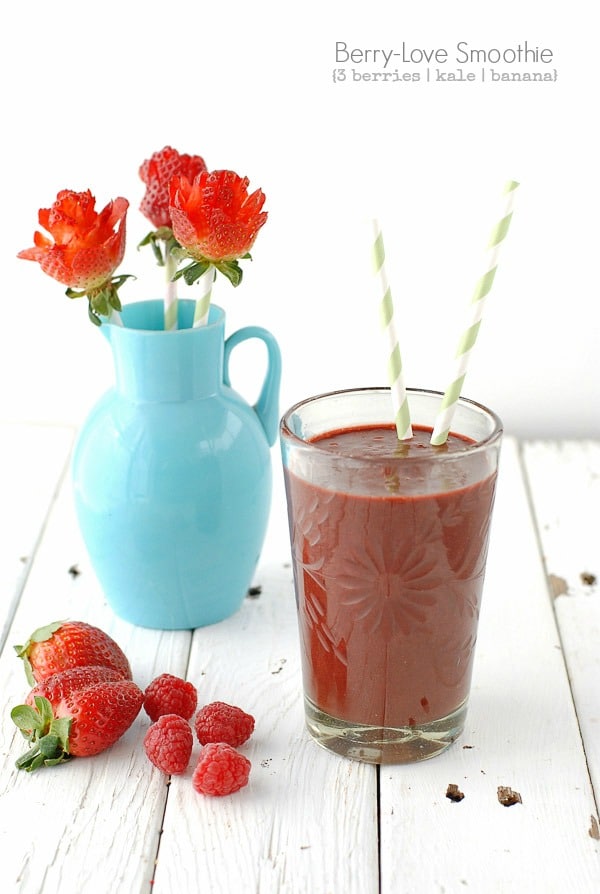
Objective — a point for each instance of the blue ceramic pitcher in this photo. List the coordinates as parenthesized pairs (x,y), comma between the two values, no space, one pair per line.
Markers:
(172,470)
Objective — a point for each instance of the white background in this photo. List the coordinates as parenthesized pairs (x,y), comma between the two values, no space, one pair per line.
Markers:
(89,92)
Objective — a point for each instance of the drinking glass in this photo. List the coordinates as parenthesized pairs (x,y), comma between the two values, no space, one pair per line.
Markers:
(389,541)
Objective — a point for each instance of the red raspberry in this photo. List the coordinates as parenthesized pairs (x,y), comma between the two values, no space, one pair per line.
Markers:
(168,743)
(219,722)
(170,695)
(221,770)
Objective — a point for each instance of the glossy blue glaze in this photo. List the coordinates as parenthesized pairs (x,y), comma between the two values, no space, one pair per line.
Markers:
(172,470)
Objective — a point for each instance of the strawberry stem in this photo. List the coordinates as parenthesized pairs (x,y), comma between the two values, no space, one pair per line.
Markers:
(49,735)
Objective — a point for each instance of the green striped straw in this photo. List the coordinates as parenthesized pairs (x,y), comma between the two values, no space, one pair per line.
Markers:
(205,284)
(171,295)
(482,289)
(386,314)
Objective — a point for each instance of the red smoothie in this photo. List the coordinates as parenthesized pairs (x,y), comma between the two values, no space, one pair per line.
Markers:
(389,558)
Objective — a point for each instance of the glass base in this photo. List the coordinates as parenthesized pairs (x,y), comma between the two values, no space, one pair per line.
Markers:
(384,745)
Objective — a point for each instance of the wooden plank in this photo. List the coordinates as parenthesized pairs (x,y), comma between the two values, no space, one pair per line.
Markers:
(32,461)
(521,732)
(564,480)
(93,824)
(308,819)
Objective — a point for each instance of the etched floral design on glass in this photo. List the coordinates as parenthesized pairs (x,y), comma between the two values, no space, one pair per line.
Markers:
(359,602)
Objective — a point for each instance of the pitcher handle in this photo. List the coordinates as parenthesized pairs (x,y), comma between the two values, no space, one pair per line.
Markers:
(267,405)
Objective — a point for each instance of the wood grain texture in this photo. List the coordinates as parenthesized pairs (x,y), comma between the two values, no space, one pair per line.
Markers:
(308,821)
(92,824)
(33,459)
(521,732)
(564,481)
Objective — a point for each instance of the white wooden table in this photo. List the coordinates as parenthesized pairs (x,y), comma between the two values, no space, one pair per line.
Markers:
(310,821)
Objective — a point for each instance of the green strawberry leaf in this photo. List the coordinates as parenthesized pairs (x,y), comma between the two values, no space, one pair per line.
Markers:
(36,758)
(192,272)
(38,636)
(158,255)
(61,728)
(45,711)
(232,270)
(28,670)
(27,719)
(99,304)
(31,760)
(154,240)
(49,746)
(73,293)
(117,281)
(178,251)
(115,301)
(102,299)
(94,318)
(52,762)
(44,633)
(49,735)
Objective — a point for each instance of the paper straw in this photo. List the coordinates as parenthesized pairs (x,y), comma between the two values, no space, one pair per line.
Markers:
(482,289)
(171,302)
(386,312)
(202,307)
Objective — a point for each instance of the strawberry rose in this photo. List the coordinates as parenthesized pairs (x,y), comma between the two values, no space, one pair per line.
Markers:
(215,219)
(85,248)
(156,172)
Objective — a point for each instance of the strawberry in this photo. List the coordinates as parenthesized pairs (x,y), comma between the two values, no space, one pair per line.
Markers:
(156,172)
(83,249)
(86,245)
(216,221)
(59,686)
(65,644)
(75,713)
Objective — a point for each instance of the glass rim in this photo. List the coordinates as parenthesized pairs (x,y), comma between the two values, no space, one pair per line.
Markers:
(470,448)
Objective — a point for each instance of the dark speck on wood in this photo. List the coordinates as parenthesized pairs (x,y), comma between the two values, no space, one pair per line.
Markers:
(507,797)
(453,793)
